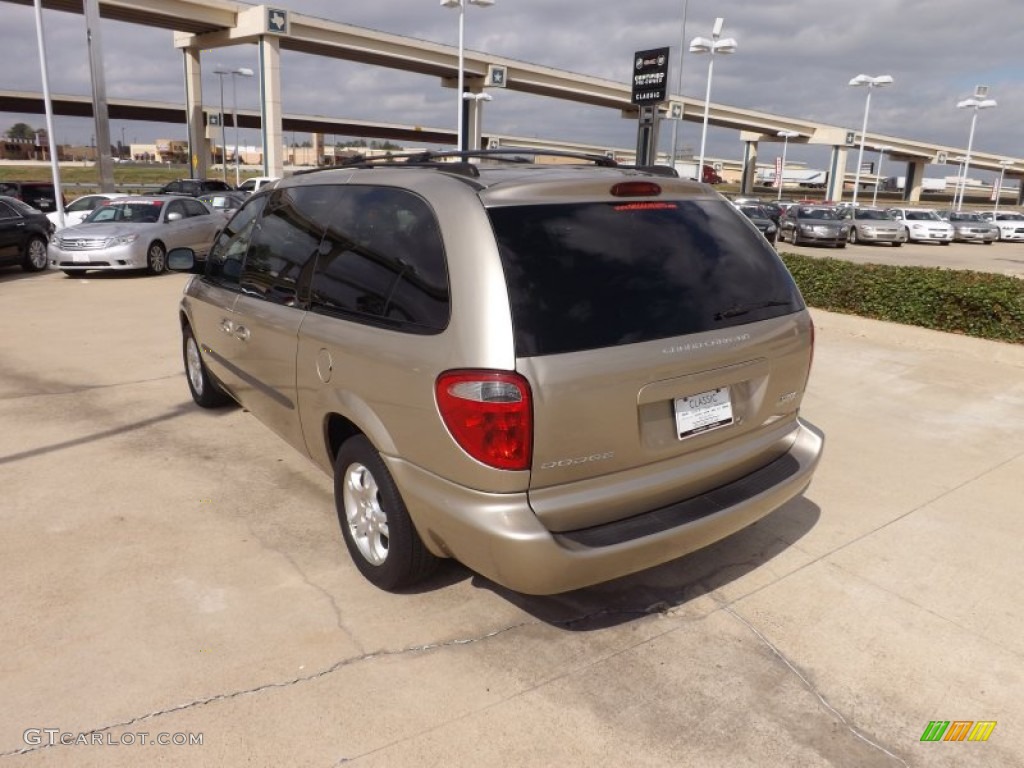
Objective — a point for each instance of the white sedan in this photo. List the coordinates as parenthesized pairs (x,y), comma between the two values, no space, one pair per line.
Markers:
(81,207)
(1010,223)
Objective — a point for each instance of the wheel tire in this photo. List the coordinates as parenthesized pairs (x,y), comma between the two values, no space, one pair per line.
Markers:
(378,531)
(897,243)
(35,255)
(840,245)
(156,259)
(989,242)
(852,237)
(945,242)
(205,391)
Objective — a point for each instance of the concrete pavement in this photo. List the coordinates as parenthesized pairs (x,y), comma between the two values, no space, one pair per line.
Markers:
(172,571)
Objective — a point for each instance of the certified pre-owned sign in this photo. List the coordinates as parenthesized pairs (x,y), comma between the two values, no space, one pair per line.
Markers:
(650,76)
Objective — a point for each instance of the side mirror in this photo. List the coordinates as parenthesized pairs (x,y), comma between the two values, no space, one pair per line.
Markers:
(181,259)
(174,216)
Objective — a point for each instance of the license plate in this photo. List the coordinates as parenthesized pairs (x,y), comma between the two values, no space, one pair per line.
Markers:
(80,258)
(703,412)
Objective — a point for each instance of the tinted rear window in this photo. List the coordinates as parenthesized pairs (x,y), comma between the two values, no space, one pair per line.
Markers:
(592,275)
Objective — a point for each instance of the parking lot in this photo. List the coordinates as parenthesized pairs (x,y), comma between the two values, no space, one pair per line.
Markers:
(1003,258)
(178,572)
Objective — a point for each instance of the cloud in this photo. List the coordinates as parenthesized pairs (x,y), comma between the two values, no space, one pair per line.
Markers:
(794,58)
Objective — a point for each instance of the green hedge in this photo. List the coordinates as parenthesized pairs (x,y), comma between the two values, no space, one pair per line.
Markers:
(972,303)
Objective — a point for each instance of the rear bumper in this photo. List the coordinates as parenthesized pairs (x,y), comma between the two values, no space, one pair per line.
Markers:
(499,536)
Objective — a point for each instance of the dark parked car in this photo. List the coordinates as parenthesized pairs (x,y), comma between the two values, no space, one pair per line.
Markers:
(761,219)
(38,194)
(813,224)
(194,187)
(773,208)
(24,232)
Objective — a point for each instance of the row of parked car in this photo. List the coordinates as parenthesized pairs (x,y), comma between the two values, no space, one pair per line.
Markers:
(114,231)
(837,225)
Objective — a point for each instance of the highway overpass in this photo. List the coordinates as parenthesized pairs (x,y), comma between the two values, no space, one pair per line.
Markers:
(203,25)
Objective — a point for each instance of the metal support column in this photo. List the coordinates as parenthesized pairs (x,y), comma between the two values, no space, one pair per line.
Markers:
(99,94)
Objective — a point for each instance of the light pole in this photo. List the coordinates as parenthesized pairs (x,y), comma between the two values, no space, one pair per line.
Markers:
(479,98)
(1003,165)
(881,160)
(679,82)
(710,47)
(871,83)
(976,102)
(786,136)
(223,137)
(461,5)
(243,72)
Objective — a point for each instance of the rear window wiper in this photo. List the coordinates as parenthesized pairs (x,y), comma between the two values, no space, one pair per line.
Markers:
(742,309)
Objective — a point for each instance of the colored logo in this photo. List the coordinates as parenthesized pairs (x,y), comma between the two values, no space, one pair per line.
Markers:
(958,730)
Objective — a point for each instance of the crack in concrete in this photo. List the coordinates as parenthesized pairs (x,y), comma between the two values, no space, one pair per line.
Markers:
(810,686)
(195,703)
(656,608)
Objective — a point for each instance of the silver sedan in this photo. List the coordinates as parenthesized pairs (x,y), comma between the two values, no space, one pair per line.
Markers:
(135,233)
(874,225)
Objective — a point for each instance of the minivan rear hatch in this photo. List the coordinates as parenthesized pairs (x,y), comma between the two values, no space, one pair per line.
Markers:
(666,344)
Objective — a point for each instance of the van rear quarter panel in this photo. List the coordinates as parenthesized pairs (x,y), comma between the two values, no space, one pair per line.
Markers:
(383,379)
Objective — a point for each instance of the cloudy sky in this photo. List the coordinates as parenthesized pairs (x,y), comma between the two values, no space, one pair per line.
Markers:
(795,57)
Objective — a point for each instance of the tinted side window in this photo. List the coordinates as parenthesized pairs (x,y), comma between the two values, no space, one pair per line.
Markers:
(224,264)
(195,208)
(285,240)
(6,212)
(592,275)
(382,260)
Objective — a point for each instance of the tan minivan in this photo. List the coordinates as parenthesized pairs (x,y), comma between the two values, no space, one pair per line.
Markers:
(556,374)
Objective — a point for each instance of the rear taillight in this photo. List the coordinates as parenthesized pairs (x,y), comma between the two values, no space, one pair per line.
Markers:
(810,361)
(490,415)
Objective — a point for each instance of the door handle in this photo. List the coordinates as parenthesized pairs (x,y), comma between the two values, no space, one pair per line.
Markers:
(241,333)
(227,326)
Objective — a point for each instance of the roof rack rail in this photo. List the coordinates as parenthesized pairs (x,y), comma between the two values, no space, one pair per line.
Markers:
(452,157)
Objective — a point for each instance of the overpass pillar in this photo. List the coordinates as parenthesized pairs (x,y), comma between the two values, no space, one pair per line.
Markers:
(473,112)
(912,187)
(1020,192)
(749,167)
(271,116)
(836,173)
(198,144)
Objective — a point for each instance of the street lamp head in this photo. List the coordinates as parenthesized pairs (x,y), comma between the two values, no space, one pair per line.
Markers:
(1006,163)
(481,3)
(477,97)
(451,3)
(871,82)
(787,134)
(701,45)
(884,148)
(976,103)
(243,71)
(716,31)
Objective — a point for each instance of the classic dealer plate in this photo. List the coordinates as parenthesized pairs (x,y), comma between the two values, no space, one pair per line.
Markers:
(703,412)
